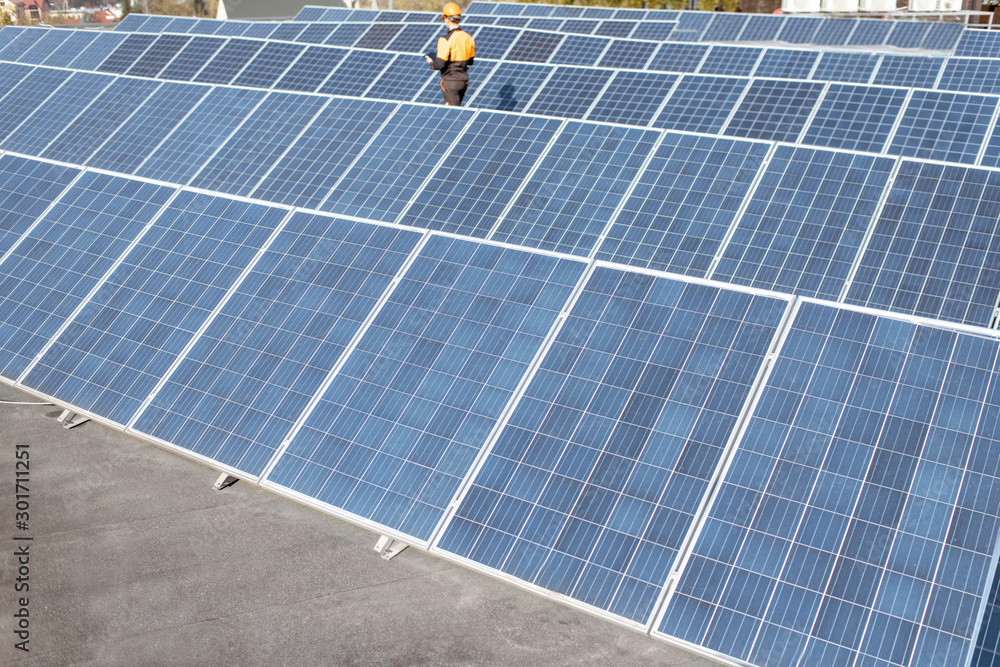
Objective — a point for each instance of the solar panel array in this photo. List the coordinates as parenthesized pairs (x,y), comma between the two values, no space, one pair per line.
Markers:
(705,345)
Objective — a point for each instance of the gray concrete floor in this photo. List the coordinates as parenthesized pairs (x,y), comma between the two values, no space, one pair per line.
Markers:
(137,560)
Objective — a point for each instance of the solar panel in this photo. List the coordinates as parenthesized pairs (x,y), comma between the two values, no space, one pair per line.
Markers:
(658,31)
(180,24)
(211,27)
(800,29)
(308,170)
(852,523)
(201,133)
(394,165)
(855,117)
(805,222)
(786,63)
(76,43)
(628,54)
(632,98)
(537,10)
(356,73)
(774,110)
(64,256)
(579,50)
(414,38)
(137,138)
(598,13)
(310,14)
(258,143)
(10,75)
(511,86)
(24,39)
(28,95)
(870,32)
(403,79)
(678,57)
(159,55)
(481,174)
(835,32)
(229,61)
(146,312)
(568,12)
(317,33)
(43,48)
(568,200)
(850,67)
(336,14)
(987,649)
(943,126)
(701,103)
(27,188)
(683,204)
(288,31)
(512,21)
(933,251)
(192,58)
(123,57)
(534,46)
(157,24)
(615,28)
(405,417)
(910,71)
(569,92)
(379,35)
(908,34)
(117,103)
(943,36)
(131,22)
(493,42)
(731,60)
(513,10)
(970,75)
(311,69)
(576,26)
(269,65)
(725,27)
(347,34)
(594,484)
(762,28)
(59,110)
(99,49)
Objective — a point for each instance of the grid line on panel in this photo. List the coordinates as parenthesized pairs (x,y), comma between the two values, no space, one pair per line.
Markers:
(701,103)
(683,204)
(311,69)
(64,255)
(943,126)
(192,58)
(250,375)
(774,110)
(406,416)
(855,117)
(594,482)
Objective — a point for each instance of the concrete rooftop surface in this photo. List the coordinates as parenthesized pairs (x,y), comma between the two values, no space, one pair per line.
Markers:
(135,559)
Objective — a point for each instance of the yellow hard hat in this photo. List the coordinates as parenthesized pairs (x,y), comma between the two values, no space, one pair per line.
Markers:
(451,10)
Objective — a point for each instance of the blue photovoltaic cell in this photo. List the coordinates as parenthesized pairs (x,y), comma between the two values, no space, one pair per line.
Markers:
(510,87)
(535,47)
(206,128)
(849,67)
(363,15)
(615,29)
(579,50)
(131,23)
(657,31)
(855,117)
(12,74)
(632,98)
(258,143)
(628,54)
(774,110)
(58,111)
(320,156)
(356,73)
(684,203)
(569,199)
(538,10)
(260,30)
(805,222)
(701,103)
(835,32)
(725,27)
(268,65)
(310,14)
(943,36)
(403,421)
(568,12)
(909,71)
(116,104)
(472,22)
(415,38)
(160,53)
(598,13)
(123,57)
(569,92)
(393,167)
(27,187)
(228,62)
(762,28)
(493,42)
(935,250)
(678,57)
(576,26)
(99,49)
(800,29)
(513,21)
(77,41)
(311,69)
(249,376)
(594,485)
(317,33)
(64,256)
(477,179)
(288,31)
(43,48)
(870,32)
(403,79)
(210,26)
(157,24)
(908,34)
(970,75)
(379,35)
(24,39)
(856,523)
(346,34)
(138,137)
(180,24)
(27,96)
(786,63)
(731,60)
(125,338)
(943,126)
(192,58)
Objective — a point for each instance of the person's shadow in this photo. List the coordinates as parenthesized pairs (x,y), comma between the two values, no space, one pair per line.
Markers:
(507,101)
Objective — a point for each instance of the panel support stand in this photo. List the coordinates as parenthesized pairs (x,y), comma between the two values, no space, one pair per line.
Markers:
(69,419)
(225,480)
(388,547)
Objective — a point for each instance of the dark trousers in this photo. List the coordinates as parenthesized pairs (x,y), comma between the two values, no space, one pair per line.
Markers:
(454,90)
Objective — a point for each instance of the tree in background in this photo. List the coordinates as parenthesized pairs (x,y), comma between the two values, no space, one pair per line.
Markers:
(126,8)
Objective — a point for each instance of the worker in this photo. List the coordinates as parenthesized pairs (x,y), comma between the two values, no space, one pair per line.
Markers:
(455,52)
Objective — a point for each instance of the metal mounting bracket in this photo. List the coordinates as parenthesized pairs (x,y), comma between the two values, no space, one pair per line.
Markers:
(69,419)
(388,547)
(224,481)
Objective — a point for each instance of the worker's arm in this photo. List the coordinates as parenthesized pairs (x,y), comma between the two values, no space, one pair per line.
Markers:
(442,56)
